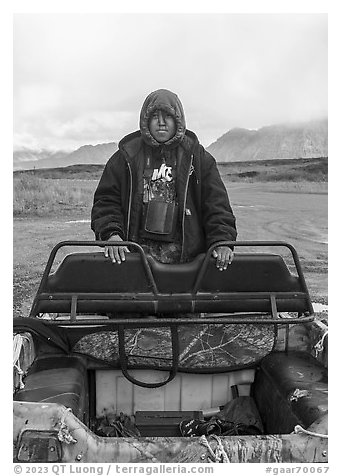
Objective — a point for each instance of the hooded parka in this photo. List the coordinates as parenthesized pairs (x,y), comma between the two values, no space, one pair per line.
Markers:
(205,213)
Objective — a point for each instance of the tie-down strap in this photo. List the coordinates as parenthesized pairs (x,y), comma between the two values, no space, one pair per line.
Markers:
(124,359)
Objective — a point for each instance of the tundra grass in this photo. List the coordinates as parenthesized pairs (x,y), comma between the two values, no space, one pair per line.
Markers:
(35,196)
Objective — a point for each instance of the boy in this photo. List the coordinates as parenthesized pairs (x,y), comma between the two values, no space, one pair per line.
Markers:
(162,190)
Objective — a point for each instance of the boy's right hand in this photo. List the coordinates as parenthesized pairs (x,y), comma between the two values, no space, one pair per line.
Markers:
(116,253)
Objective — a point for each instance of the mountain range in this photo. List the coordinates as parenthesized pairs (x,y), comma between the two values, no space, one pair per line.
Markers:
(299,140)
(281,141)
(25,159)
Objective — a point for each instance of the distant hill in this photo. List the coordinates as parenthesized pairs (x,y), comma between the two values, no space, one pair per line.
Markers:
(77,171)
(25,159)
(286,141)
(277,170)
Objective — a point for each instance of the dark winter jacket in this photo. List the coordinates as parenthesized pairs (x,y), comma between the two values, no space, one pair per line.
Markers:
(205,212)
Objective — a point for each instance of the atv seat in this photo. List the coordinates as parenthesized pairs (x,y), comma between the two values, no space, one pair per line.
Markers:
(57,379)
(290,389)
(91,283)
(248,272)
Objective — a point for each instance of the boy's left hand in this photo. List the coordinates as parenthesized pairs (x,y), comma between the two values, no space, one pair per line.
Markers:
(224,256)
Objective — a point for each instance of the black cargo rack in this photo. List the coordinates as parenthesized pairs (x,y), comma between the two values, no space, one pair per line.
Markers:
(253,285)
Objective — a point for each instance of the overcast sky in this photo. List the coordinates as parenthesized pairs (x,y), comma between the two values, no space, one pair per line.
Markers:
(81,78)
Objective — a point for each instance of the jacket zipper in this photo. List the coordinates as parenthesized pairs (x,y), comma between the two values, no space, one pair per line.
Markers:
(130,197)
(184,209)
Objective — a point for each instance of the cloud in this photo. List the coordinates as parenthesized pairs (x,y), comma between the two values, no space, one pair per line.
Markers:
(95,125)
(91,128)
(83,78)
(33,99)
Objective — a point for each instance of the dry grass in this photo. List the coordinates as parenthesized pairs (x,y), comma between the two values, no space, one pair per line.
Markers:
(39,196)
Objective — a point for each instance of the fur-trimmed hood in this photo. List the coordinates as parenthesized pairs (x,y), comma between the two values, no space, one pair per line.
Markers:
(166,101)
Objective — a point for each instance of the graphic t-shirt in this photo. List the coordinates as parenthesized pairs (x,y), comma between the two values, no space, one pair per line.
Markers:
(160,184)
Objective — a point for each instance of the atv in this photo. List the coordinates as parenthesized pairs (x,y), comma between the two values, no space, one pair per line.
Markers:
(145,362)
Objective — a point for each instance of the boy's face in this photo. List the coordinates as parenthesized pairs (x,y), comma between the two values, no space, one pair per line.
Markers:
(162,126)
